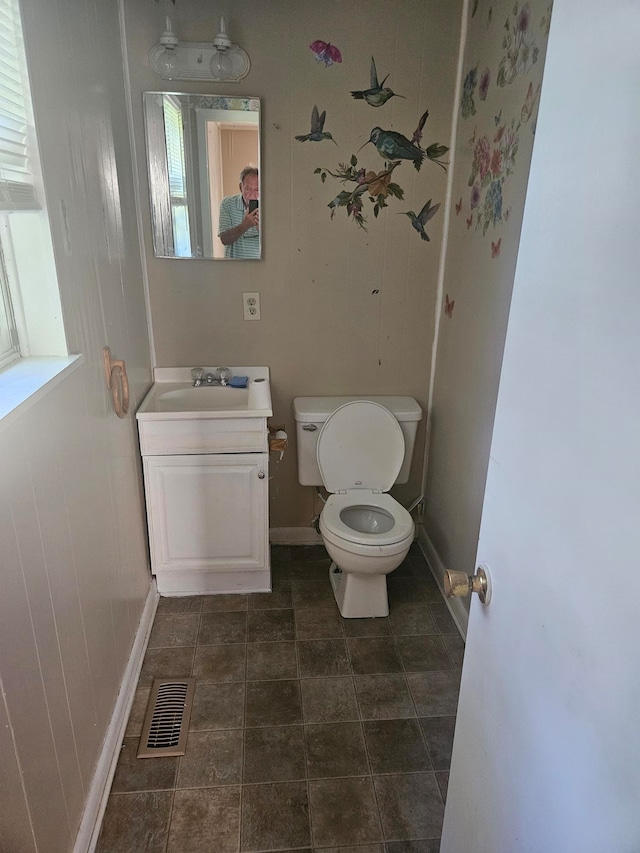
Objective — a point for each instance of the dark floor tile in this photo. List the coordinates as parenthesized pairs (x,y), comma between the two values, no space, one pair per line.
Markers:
(138,711)
(403,591)
(211,759)
(373,655)
(217,603)
(136,822)
(310,570)
(280,553)
(423,653)
(217,706)
(274,754)
(359,848)
(384,697)
(438,733)
(454,644)
(174,629)
(180,604)
(316,623)
(367,627)
(279,598)
(141,774)
(415,550)
(334,825)
(410,805)
(308,552)
(275,817)
(442,777)
(396,746)
(328,700)
(310,593)
(429,588)
(270,626)
(435,694)
(322,658)
(220,663)
(443,618)
(407,619)
(166,663)
(281,571)
(335,749)
(267,661)
(273,703)
(426,845)
(404,569)
(204,819)
(222,627)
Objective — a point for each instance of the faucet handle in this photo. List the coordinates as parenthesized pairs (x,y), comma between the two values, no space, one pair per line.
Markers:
(223,375)
(197,374)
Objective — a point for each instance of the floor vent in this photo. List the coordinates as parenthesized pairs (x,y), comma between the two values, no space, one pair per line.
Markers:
(166,724)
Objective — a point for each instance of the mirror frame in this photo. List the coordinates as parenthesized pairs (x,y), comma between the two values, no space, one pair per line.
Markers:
(196,175)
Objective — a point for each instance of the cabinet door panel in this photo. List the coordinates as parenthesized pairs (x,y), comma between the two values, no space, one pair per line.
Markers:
(207,511)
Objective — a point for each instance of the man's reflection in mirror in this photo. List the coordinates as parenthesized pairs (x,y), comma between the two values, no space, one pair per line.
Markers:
(239,228)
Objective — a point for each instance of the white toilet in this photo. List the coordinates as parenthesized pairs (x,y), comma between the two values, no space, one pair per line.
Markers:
(358,447)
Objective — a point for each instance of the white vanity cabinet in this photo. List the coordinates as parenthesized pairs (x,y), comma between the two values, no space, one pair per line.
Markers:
(206,482)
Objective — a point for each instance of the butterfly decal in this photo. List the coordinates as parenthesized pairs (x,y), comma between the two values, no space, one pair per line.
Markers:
(469,221)
(495,248)
(459,206)
(325,52)
(530,103)
(448,305)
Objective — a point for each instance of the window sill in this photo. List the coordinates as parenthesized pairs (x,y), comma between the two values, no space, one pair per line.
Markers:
(24,383)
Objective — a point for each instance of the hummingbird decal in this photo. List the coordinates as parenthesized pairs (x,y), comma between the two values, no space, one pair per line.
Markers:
(395,146)
(378,94)
(417,133)
(317,124)
(419,221)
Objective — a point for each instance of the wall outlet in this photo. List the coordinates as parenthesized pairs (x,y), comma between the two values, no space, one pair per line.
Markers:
(251,306)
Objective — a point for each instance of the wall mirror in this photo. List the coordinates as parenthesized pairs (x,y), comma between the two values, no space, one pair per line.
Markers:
(197,147)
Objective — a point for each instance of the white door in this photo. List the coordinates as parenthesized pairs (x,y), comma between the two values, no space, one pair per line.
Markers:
(547,747)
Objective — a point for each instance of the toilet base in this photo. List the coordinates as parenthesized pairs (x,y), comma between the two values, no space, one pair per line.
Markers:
(359,596)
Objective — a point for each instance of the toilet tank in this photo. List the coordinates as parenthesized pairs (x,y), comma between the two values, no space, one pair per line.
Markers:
(311,412)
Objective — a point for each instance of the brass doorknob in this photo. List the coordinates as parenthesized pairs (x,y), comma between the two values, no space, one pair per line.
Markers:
(460,584)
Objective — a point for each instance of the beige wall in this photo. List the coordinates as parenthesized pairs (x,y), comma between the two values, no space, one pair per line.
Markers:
(478,280)
(73,557)
(323,329)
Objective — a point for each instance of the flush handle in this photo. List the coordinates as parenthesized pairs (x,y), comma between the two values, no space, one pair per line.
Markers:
(309,427)
(460,584)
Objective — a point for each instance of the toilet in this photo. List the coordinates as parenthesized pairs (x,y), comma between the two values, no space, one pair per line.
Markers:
(357,448)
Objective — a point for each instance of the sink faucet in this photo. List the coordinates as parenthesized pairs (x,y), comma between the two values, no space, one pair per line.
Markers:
(202,378)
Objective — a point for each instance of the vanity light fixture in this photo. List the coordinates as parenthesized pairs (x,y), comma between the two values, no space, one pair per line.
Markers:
(183,60)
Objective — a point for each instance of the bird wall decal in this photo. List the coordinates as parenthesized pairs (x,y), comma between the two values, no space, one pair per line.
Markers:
(418,221)
(395,146)
(317,133)
(377,94)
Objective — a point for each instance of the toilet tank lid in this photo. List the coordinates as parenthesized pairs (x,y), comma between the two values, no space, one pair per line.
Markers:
(317,409)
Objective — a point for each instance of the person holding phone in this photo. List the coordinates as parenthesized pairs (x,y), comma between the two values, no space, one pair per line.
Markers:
(239,226)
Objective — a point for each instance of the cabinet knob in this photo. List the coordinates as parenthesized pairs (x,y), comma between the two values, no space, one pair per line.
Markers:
(261,475)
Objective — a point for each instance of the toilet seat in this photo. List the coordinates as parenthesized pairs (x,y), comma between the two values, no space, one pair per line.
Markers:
(360,451)
(334,526)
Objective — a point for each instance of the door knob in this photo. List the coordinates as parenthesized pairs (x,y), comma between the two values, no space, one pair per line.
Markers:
(460,584)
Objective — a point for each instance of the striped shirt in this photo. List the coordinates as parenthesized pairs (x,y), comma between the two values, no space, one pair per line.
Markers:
(232,212)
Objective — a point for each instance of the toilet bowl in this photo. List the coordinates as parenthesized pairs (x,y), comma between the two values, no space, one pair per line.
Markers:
(366,532)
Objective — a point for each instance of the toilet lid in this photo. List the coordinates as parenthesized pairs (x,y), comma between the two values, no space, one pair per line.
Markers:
(360,446)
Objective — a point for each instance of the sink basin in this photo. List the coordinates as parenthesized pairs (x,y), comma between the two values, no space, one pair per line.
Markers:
(202,399)
(173,396)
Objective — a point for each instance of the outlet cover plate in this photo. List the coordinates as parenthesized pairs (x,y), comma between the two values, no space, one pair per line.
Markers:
(251,306)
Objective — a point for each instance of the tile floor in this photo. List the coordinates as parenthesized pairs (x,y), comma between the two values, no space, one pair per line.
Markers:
(309,732)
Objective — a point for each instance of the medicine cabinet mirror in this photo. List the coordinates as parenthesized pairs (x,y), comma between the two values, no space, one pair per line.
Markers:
(197,146)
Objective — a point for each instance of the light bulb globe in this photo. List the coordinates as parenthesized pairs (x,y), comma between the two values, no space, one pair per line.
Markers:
(168,65)
(221,65)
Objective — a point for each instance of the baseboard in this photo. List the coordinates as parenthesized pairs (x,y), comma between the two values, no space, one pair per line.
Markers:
(294,536)
(456,607)
(96,804)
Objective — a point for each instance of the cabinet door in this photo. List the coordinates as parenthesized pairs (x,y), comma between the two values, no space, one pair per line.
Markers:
(208,513)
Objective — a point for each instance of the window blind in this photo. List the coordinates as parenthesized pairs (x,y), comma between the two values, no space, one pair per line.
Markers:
(17,184)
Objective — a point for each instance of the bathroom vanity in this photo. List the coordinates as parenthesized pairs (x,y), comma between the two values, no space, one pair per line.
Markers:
(206,472)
